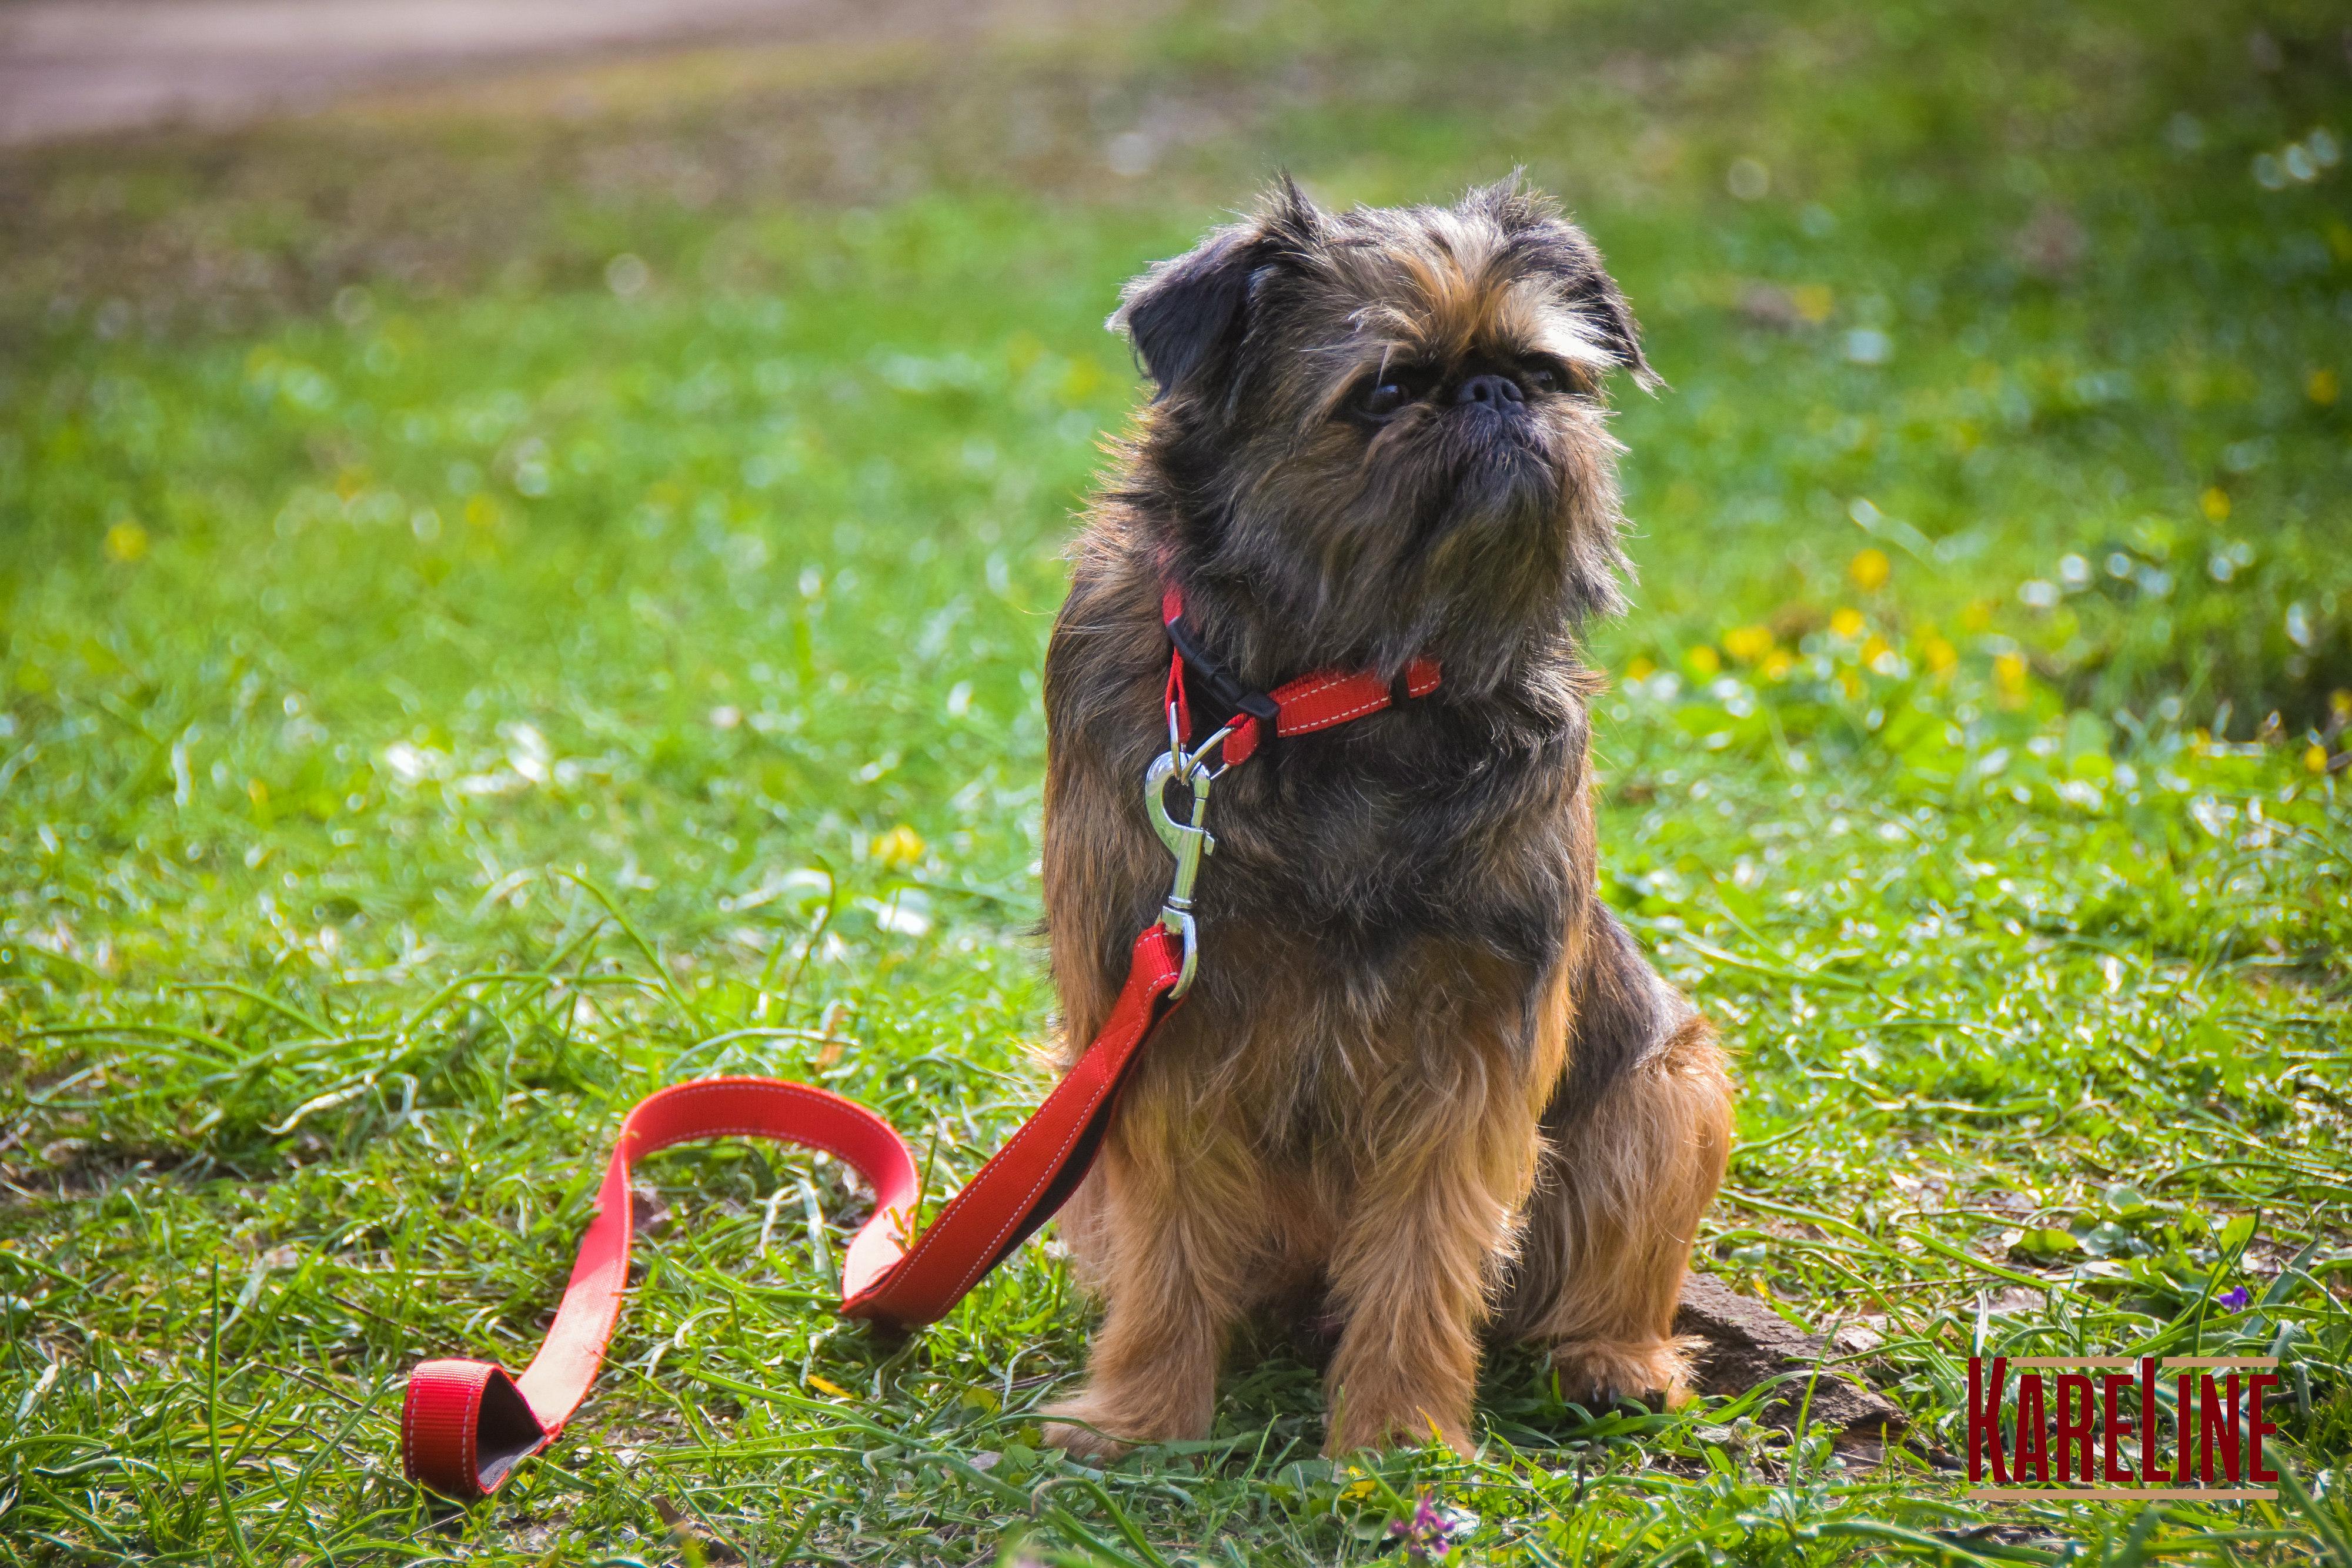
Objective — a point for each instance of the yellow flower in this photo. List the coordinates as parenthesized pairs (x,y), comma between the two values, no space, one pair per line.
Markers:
(1870,569)
(1081,380)
(1847,623)
(2339,702)
(126,542)
(2009,676)
(1747,643)
(1941,656)
(1641,669)
(901,846)
(2315,759)
(1023,352)
(1873,649)
(2216,502)
(1703,660)
(1778,663)
(2322,386)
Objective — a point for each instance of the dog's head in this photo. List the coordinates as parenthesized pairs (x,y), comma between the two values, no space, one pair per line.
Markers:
(1384,427)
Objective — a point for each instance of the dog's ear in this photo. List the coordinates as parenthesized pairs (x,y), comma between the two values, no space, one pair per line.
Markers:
(1534,228)
(1180,314)
(1288,216)
(1598,297)
(1183,314)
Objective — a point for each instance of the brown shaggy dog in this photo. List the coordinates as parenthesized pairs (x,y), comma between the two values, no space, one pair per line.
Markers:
(1425,1083)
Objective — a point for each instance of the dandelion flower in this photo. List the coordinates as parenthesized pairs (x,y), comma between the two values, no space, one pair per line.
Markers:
(2009,677)
(899,848)
(126,542)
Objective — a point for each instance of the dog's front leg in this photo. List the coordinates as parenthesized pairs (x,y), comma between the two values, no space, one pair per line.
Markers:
(1416,1258)
(1171,1243)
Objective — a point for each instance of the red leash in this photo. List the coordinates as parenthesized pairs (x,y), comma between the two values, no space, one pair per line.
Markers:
(466,1424)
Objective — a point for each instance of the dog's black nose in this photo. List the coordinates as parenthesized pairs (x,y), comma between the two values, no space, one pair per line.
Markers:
(1490,389)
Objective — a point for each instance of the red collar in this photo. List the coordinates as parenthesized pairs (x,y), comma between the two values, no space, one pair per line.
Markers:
(1314,701)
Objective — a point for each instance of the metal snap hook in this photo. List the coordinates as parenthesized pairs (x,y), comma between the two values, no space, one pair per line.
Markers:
(1188,841)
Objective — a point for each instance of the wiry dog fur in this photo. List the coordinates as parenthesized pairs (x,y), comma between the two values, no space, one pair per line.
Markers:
(1424,1078)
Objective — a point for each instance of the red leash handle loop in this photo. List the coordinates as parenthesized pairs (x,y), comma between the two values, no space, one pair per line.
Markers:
(466,1424)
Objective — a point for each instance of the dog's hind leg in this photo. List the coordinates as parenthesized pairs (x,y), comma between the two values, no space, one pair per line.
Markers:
(1636,1143)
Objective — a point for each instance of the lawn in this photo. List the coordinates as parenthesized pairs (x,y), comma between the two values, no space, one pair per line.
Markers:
(510,598)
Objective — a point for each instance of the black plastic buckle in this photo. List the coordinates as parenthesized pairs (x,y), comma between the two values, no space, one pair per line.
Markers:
(1227,695)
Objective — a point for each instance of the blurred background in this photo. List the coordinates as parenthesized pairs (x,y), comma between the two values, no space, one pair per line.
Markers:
(2045,306)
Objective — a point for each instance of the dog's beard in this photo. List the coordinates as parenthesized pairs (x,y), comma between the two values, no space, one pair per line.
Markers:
(1454,536)
(1481,484)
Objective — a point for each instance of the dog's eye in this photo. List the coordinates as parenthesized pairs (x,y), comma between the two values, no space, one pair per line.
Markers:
(1549,375)
(1385,398)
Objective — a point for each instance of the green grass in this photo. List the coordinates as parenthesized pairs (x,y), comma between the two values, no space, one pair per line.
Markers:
(454,681)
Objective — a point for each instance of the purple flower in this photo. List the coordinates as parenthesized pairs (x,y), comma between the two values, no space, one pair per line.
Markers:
(2233,1298)
(1425,1534)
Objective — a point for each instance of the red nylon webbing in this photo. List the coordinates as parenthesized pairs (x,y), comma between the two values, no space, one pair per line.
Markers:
(1312,702)
(466,1424)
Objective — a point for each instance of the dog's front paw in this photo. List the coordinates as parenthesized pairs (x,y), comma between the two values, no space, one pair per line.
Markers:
(1095,1424)
(1075,1426)
(1354,1434)
(1600,1371)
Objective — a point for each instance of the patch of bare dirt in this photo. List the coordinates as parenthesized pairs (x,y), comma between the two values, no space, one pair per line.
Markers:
(535,178)
(79,67)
